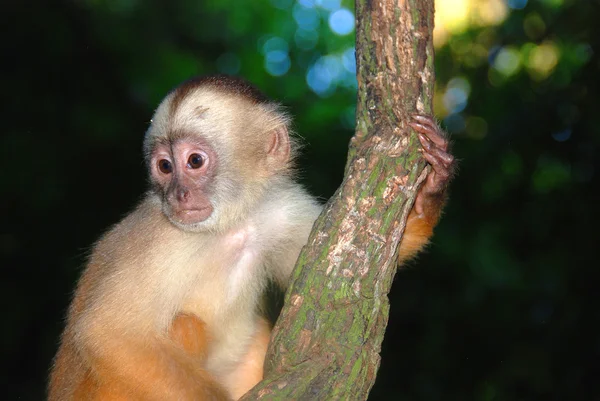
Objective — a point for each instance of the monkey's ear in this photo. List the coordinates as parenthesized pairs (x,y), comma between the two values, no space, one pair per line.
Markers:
(278,148)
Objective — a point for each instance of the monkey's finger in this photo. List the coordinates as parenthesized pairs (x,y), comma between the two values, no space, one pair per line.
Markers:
(426,121)
(420,127)
(425,142)
(432,149)
(439,166)
(433,132)
(445,158)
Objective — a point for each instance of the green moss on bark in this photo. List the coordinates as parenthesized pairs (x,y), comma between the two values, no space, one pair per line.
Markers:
(327,340)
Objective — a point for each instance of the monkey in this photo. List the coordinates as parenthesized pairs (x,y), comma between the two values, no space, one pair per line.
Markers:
(167,306)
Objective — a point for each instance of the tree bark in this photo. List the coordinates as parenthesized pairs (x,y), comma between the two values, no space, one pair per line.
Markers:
(327,340)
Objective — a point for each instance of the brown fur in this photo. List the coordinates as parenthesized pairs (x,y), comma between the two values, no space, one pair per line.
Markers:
(419,228)
(227,84)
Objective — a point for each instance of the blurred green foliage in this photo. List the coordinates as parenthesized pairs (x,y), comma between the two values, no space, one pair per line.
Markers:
(502,307)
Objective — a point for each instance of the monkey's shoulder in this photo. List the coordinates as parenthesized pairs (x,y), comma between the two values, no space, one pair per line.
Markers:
(289,206)
(140,226)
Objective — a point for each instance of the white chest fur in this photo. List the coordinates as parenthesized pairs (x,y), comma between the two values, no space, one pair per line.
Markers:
(245,266)
(228,273)
(226,294)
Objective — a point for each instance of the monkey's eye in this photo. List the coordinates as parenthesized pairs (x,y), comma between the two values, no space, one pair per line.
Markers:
(165,166)
(195,161)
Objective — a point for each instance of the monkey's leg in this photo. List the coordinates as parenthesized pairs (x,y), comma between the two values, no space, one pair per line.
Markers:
(432,195)
(144,369)
(250,369)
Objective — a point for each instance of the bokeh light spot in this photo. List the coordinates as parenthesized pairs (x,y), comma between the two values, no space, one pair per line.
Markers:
(306,18)
(542,60)
(307,3)
(323,76)
(275,43)
(349,60)
(277,62)
(550,174)
(507,61)
(476,127)
(341,21)
(457,94)
(455,123)
(517,4)
(330,5)
(512,163)
(454,17)
(534,26)
(562,136)
(490,12)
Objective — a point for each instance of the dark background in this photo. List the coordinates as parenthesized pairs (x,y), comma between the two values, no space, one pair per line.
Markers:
(504,304)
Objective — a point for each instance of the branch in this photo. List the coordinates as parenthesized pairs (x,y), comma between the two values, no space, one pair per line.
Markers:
(327,340)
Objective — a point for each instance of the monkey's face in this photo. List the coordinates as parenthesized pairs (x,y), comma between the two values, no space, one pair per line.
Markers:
(213,151)
(182,172)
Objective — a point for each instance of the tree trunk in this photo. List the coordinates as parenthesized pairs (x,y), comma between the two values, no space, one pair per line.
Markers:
(327,340)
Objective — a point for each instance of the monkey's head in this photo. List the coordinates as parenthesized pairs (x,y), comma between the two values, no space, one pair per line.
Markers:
(214,147)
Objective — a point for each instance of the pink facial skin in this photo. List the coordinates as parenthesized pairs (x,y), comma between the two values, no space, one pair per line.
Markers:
(184,170)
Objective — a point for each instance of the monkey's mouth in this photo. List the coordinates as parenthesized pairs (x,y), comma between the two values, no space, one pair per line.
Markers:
(192,216)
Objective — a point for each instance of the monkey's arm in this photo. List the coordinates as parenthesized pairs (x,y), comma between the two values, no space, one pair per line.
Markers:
(432,195)
(297,214)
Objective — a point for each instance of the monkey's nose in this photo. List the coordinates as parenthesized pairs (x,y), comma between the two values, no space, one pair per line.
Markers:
(183,195)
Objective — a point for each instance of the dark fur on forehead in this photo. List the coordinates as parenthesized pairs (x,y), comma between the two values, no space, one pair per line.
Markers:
(224,83)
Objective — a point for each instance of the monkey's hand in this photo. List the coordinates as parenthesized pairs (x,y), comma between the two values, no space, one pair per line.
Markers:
(432,195)
(435,151)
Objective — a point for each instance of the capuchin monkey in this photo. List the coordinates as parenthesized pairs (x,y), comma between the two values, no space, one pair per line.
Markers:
(167,308)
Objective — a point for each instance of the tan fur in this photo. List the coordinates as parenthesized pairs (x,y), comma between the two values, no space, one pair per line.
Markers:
(250,369)
(169,311)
